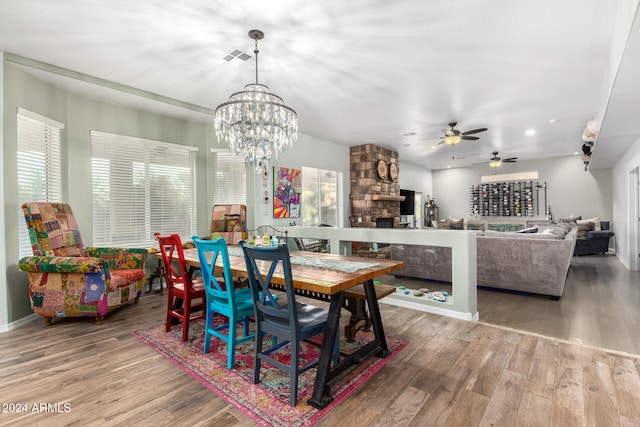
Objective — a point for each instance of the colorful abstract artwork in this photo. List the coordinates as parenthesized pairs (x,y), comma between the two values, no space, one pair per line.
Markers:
(287,190)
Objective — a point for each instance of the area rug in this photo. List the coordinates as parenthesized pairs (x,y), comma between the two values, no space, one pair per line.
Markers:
(267,403)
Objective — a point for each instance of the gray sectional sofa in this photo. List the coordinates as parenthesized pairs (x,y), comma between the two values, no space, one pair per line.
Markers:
(527,262)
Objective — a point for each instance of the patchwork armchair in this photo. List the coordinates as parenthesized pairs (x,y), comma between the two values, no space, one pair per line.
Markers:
(68,280)
(229,222)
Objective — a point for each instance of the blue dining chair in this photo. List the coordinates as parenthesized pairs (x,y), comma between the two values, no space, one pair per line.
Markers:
(291,322)
(223,298)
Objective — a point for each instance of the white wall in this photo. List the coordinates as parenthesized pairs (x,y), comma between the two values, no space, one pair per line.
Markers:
(415,178)
(625,196)
(318,153)
(307,151)
(4,314)
(570,190)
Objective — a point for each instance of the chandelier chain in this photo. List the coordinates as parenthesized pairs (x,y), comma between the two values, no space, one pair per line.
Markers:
(256,51)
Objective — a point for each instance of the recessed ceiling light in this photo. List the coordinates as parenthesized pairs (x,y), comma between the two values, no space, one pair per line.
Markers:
(408,134)
(406,144)
(530,132)
(553,120)
(433,147)
(575,153)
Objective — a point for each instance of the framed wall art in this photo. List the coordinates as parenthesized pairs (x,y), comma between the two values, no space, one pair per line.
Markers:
(287,192)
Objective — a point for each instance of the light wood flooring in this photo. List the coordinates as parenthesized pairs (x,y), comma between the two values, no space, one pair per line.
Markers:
(453,372)
(600,305)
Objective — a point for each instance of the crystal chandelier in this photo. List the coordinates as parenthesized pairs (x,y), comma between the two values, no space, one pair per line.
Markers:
(255,122)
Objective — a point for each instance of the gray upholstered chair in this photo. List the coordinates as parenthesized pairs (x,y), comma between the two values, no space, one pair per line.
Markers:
(594,242)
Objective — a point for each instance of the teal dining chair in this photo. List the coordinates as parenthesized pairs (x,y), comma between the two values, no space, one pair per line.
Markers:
(290,321)
(223,298)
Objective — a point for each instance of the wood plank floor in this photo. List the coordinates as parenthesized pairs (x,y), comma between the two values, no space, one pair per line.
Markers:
(453,372)
(600,305)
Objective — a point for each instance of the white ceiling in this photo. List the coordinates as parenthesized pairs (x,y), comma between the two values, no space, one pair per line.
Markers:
(359,71)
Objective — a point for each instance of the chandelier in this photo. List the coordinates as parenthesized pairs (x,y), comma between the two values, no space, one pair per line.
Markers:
(255,122)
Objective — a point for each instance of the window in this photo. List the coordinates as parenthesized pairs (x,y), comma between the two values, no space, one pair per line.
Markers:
(38,165)
(139,187)
(320,201)
(229,178)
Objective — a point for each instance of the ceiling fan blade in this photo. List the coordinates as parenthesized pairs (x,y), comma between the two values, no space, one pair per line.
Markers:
(441,142)
(511,160)
(481,163)
(470,138)
(469,132)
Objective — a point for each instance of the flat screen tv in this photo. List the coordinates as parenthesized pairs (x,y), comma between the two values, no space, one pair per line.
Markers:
(408,205)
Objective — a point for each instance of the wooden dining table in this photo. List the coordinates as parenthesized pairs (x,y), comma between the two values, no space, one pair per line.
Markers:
(328,284)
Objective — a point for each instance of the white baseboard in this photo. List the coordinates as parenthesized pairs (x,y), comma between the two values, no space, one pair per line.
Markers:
(18,323)
(406,302)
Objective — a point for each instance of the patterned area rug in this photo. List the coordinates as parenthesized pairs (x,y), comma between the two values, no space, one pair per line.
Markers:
(267,403)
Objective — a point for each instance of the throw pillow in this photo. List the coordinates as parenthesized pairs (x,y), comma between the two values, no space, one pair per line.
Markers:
(444,224)
(457,224)
(595,220)
(542,227)
(556,230)
(583,228)
(528,230)
(573,220)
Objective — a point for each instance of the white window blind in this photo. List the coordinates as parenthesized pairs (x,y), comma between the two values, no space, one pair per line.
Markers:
(229,178)
(38,166)
(320,201)
(139,187)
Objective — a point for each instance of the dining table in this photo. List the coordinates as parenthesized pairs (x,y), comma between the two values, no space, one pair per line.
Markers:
(326,277)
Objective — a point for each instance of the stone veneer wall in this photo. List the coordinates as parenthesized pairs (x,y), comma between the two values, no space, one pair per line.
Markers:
(365,182)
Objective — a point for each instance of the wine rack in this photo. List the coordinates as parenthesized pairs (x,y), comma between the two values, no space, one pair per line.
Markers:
(516,198)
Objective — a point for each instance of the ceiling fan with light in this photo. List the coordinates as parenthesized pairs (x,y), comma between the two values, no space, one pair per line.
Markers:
(496,161)
(453,136)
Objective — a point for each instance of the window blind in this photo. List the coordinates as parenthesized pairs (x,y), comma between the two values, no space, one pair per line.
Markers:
(38,166)
(141,186)
(229,178)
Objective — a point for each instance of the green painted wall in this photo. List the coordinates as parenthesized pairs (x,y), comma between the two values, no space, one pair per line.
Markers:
(80,115)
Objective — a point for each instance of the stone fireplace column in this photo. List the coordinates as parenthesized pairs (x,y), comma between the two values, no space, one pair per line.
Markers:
(373,195)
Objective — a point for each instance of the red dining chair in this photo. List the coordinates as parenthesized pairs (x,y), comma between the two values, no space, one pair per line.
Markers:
(180,285)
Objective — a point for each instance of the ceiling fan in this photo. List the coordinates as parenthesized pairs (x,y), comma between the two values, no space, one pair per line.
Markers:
(453,136)
(496,161)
